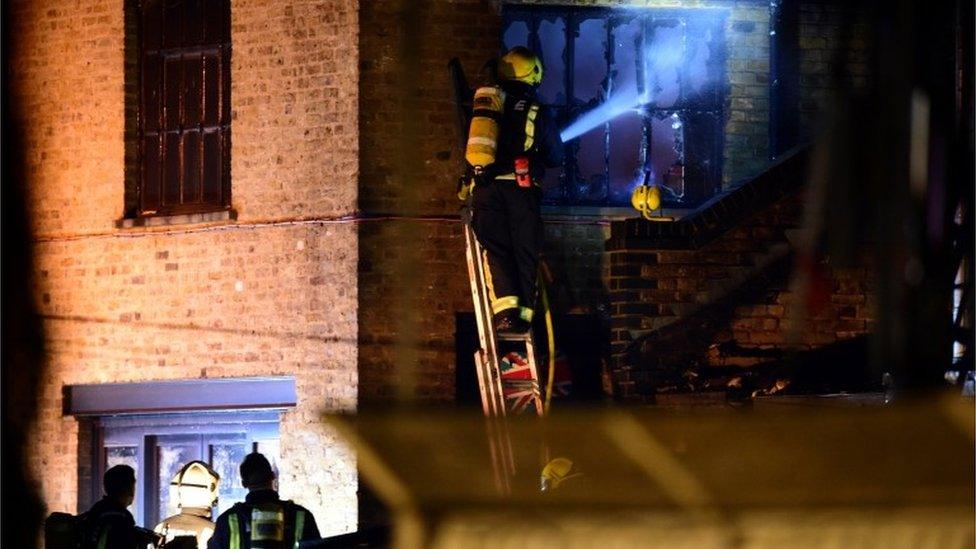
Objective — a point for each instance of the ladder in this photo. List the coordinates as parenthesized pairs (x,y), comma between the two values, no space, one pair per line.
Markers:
(490,358)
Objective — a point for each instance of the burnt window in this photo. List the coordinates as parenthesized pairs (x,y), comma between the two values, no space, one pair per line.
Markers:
(183,129)
(651,83)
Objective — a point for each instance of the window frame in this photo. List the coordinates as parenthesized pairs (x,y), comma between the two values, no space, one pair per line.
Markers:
(144,430)
(221,50)
(710,181)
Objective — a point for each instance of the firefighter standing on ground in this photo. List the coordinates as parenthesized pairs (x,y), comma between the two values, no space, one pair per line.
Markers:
(264,520)
(109,524)
(195,491)
(511,141)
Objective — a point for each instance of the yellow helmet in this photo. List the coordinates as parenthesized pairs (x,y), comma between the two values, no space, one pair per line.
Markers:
(195,485)
(556,472)
(521,65)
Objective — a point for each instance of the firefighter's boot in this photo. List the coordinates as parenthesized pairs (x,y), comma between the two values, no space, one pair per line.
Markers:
(508,323)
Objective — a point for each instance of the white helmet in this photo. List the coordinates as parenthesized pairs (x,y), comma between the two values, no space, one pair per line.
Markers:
(195,485)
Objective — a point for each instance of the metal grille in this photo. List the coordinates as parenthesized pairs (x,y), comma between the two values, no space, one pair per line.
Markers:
(593,55)
(184,122)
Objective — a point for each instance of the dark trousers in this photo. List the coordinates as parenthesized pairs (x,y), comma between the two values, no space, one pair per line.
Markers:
(508,224)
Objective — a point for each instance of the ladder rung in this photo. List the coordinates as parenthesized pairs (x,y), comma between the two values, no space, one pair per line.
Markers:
(487,359)
(514,337)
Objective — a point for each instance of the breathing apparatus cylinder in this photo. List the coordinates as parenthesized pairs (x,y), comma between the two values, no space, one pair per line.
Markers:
(488,107)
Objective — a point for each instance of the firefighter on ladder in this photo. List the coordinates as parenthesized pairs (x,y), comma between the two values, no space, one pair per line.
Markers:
(512,139)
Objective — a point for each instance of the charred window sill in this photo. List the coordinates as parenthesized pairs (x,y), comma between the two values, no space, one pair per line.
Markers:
(560,213)
(567,212)
(223,216)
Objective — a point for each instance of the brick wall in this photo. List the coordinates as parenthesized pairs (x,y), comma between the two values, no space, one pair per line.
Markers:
(820,38)
(412,271)
(746,149)
(268,294)
(678,305)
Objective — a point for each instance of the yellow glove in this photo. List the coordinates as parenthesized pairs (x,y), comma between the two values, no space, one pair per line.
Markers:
(465,188)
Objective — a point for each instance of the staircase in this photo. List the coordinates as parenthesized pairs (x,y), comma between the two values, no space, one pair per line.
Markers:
(678,289)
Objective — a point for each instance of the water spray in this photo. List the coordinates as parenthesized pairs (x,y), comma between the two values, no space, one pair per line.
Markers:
(652,85)
(659,58)
(621,102)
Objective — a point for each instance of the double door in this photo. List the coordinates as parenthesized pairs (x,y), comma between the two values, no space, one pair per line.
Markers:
(158,447)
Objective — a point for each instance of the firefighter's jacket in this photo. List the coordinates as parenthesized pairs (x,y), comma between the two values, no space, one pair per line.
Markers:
(235,527)
(527,129)
(190,521)
(108,525)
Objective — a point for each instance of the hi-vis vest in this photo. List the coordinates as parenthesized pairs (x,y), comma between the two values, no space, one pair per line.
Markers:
(264,525)
(518,132)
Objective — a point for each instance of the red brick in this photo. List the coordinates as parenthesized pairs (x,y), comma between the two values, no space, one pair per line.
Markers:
(68,77)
